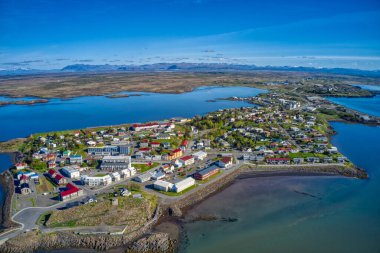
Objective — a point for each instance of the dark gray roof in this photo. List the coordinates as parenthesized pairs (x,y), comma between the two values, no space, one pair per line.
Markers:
(207,170)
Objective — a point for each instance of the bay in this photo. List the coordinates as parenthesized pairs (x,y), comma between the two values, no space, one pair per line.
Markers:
(23,120)
(369,106)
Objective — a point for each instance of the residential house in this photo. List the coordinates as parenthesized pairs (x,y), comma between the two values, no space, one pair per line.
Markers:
(187,160)
(277,161)
(225,162)
(200,155)
(313,160)
(298,160)
(155,144)
(70,192)
(175,154)
(21,166)
(25,189)
(56,177)
(76,159)
(51,164)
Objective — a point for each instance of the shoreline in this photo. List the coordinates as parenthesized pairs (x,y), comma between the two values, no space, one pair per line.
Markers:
(170,212)
(180,219)
(7,186)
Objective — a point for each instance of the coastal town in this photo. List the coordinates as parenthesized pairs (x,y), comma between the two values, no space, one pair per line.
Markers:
(174,156)
(85,180)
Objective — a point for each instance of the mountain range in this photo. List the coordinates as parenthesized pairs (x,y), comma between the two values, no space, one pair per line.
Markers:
(191,67)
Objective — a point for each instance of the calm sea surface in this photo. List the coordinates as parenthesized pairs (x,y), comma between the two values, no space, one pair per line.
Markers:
(22,120)
(370,106)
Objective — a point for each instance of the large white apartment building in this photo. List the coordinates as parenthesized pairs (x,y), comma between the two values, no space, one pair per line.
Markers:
(116,162)
(96,181)
(71,172)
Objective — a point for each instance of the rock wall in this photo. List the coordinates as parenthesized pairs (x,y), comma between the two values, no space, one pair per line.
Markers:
(7,185)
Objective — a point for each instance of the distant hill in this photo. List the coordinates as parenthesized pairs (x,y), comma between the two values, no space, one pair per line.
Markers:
(210,67)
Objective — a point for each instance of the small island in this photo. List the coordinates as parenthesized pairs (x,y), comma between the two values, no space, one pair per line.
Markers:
(123,95)
(24,102)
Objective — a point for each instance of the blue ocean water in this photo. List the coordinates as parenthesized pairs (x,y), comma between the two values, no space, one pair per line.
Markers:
(370,106)
(22,120)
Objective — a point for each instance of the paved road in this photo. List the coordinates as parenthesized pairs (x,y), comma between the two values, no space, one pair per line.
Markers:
(27,217)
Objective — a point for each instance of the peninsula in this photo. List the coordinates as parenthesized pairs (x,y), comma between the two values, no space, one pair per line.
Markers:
(107,187)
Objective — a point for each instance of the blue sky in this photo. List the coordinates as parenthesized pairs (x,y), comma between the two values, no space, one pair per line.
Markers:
(48,34)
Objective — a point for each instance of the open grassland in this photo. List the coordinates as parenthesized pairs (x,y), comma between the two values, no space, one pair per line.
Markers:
(133,212)
(68,85)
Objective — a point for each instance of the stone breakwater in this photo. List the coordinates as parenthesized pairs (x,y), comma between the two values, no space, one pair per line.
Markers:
(327,169)
(156,242)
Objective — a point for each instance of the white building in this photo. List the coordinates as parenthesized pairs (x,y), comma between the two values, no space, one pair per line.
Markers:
(158,175)
(225,162)
(96,181)
(162,185)
(183,184)
(115,176)
(200,155)
(187,160)
(116,162)
(76,159)
(125,173)
(143,177)
(71,172)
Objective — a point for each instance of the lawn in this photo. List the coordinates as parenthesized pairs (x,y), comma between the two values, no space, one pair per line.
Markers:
(142,167)
(43,218)
(100,175)
(305,155)
(44,186)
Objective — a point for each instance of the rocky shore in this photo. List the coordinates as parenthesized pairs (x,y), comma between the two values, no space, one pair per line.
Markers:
(7,186)
(123,95)
(35,240)
(24,102)
(32,241)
